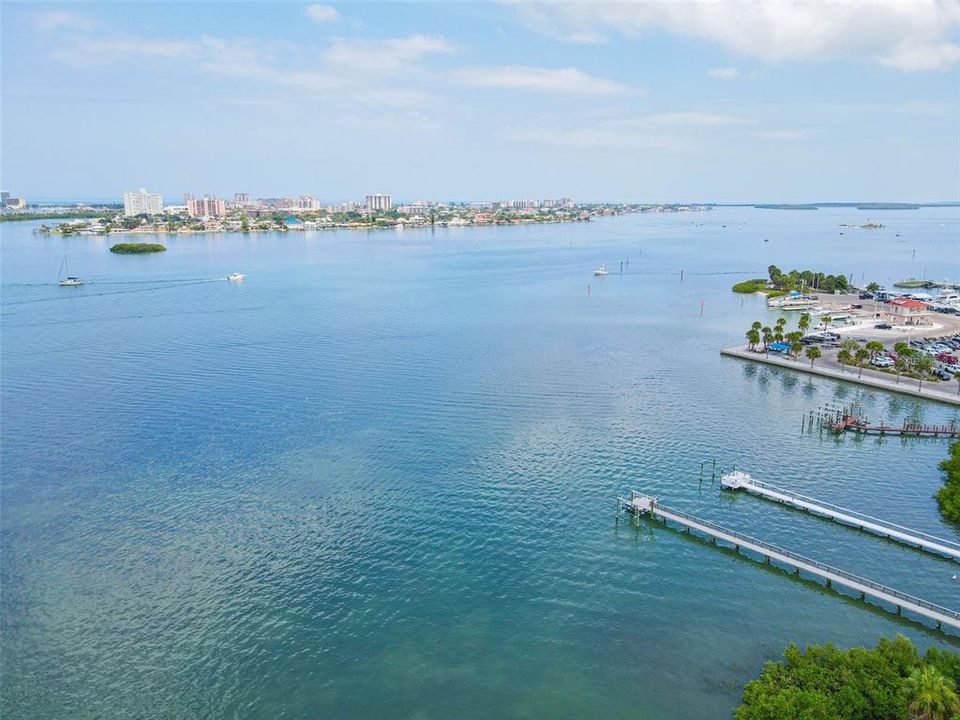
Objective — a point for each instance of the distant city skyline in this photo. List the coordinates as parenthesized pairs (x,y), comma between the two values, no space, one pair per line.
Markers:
(619,102)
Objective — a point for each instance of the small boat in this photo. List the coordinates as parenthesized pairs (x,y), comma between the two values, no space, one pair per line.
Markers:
(601,271)
(65,279)
(235,277)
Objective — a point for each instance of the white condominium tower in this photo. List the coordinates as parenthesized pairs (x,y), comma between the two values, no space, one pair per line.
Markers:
(140,203)
(379,202)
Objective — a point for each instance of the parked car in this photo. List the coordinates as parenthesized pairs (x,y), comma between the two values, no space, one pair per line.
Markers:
(865,296)
(947,358)
(942,374)
(955,368)
(881,362)
(883,326)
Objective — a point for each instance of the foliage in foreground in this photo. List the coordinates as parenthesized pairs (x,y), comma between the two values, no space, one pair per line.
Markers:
(889,682)
(133,248)
(948,497)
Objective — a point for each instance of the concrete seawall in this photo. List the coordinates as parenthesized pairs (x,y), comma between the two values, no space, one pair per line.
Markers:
(907,386)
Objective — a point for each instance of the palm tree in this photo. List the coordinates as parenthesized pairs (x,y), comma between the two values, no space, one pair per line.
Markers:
(753,337)
(756,325)
(861,356)
(766,335)
(930,695)
(796,347)
(923,364)
(844,358)
(902,348)
(826,320)
(804,323)
(874,347)
(901,365)
(813,352)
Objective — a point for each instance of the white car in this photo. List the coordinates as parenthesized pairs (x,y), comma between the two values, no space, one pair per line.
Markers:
(953,369)
(881,362)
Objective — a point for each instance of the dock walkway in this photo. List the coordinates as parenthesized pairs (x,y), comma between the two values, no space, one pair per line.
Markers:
(640,504)
(924,541)
(930,391)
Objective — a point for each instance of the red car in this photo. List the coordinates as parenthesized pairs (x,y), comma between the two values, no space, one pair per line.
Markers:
(947,358)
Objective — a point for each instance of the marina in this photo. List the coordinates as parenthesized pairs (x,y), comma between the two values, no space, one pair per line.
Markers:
(638,504)
(738,480)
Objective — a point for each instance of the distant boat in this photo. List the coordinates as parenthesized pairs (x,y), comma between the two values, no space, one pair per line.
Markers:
(67,280)
(235,277)
(601,271)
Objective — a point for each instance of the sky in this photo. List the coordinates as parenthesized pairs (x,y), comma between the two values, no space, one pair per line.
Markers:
(782,101)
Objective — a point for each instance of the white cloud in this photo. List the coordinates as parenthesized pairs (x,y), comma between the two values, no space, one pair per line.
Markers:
(346,72)
(723,73)
(322,13)
(518,77)
(903,34)
(664,131)
(394,55)
(62,19)
(85,51)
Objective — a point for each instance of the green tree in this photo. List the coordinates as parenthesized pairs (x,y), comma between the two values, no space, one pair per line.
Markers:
(753,337)
(844,358)
(825,320)
(930,695)
(813,353)
(804,323)
(948,497)
(861,356)
(923,364)
(874,347)
(766,334)
(873,287)
(901,365)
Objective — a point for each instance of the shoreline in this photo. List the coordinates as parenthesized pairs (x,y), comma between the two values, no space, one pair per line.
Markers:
(927,393)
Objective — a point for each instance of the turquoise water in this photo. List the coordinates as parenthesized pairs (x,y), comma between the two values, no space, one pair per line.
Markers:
(378,478)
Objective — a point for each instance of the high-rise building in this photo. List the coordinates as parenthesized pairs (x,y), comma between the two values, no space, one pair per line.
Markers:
(4,196)
(241,198)
(207,206)
(379,202)
(142,203)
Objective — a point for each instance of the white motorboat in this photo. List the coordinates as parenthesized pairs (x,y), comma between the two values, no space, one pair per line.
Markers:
(601,271)
(67,280)
(235,277)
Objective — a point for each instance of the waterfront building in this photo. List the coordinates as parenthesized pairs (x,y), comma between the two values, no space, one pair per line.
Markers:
(142,203)
(241,198)
(379,203)
(910,311)
(14,203)
(4,196)
(207,206)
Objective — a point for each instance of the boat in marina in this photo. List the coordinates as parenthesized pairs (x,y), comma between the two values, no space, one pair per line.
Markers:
(601,271)
(793,301)
(235,277)
(65,278)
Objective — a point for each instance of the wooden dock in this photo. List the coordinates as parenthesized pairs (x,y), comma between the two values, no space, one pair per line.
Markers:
(639,504)
(924,541)
(857,424)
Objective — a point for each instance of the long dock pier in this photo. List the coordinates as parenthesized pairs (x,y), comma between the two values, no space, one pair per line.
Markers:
(640,504)
(909,429)
(738,480)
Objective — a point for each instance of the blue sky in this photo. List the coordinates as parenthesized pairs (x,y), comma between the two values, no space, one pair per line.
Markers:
(746,102)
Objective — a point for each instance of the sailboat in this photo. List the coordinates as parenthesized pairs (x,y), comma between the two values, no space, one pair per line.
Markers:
(67,280)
